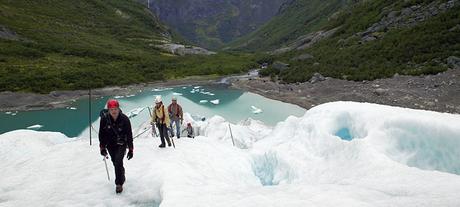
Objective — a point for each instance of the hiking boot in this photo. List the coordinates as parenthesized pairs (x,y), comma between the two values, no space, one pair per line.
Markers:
(169,144)
(161,146)
(119,189)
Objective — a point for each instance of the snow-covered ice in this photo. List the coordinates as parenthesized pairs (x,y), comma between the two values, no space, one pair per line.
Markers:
(215,102)
(135,112)
(396,157)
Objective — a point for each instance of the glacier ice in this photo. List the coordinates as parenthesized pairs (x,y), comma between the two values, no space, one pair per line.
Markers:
(395,157)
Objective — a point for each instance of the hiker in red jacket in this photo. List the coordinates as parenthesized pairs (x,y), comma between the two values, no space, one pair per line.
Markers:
(176,116)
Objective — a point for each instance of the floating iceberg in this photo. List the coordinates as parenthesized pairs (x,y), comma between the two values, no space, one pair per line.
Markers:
(161,89)
(35,127)
(207,93)
(177,94)
(215,102)
(204,101)
(395,157)
(256,110)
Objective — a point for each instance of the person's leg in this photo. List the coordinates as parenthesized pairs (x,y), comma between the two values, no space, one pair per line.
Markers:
(171,128)
(160,131)
(178,128)
(165,134)
(117,154)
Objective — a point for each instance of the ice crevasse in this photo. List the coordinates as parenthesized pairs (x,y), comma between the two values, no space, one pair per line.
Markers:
(341,153)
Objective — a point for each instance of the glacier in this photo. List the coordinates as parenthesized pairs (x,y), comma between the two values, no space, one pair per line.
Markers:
(340,153)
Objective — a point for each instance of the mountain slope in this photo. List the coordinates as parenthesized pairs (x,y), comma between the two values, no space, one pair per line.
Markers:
(51,45)
(365,40)
(296,18)
(211,23)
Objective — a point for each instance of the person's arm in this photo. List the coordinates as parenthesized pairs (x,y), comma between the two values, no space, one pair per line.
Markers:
(170,108)
(181,113)
(153,116)
(167,120)
(102,137)
(129,134)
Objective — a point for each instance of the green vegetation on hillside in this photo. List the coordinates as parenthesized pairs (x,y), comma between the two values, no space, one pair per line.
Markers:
(300,17)
(68,45)
(409,50)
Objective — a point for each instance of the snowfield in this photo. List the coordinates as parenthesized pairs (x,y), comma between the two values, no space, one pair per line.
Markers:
(396,157)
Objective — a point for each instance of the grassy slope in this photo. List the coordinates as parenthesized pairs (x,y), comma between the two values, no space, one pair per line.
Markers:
(413,51)
(92,43)
(299,18)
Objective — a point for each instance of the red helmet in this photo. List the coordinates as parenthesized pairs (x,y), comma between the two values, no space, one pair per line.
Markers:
(112,103)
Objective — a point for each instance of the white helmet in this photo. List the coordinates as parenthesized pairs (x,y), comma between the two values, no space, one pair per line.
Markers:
(174,98)
(158,99)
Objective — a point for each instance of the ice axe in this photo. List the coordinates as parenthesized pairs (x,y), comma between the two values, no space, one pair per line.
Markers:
(172,140)
(106,168)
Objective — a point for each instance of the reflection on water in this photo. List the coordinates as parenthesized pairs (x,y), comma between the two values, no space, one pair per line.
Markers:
(233,105)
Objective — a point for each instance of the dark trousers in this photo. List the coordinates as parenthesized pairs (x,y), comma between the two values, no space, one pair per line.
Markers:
(163,130)
(117,153)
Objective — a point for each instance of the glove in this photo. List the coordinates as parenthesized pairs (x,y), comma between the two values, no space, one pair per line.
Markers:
(104,152)
(130,154)
(181,121)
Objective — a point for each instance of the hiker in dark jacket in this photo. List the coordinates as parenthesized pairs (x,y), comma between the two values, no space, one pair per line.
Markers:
(115,135)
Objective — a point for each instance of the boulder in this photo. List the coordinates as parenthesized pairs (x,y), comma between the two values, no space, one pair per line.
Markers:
(280,65)
(380,91)
(453,62)
(317,77)
(7,34)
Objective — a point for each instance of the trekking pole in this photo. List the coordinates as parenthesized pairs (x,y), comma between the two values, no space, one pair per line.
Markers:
(231,134)
(172,140)
(106,168)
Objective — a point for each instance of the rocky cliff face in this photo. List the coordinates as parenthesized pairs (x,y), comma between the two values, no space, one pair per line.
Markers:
(211,23)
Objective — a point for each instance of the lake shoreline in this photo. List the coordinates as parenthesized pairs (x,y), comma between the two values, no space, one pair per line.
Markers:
(440,92)
(17,101)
